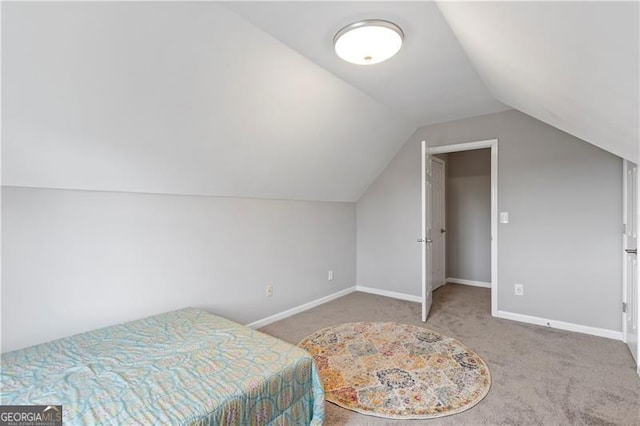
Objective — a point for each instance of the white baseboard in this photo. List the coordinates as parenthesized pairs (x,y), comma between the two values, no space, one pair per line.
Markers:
(468,282)
(561,325)
(289,312)
(387,293)
(282,315)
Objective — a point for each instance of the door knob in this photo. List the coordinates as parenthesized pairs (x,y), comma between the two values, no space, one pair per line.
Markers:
(442,231)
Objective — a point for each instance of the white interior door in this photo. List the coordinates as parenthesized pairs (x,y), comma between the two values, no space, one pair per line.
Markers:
(631,298)
(425,238)
(438,225)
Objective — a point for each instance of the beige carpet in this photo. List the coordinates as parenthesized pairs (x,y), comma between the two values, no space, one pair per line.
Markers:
(539,375)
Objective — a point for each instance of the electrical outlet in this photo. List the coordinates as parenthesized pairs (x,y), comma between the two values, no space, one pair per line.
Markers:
(330,275)
(269,290)
(518,289)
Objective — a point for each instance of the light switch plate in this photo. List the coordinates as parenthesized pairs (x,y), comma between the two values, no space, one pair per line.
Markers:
(504,217)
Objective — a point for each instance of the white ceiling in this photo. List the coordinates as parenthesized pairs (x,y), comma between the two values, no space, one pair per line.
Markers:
(248,99)
(183,98)
(573,65)
(429,81)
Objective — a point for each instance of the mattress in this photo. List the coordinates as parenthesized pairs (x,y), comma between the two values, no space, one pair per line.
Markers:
(181,367)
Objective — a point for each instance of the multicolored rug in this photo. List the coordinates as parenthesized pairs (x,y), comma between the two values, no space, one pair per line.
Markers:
(399,371)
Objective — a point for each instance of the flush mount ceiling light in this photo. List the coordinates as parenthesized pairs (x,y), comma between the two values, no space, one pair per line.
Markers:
(368,42)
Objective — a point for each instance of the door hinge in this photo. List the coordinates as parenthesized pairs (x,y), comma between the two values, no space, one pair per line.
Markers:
(624,307)
(624,229)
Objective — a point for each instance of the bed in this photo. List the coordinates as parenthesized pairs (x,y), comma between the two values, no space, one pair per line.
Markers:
(181,367)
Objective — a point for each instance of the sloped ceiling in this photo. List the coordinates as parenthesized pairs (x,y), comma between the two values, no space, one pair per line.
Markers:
(573,65)
(185,98)
(249,100)
(429,81)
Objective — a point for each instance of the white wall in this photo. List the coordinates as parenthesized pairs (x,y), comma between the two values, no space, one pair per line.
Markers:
(563,242)
(468,213)
(78,260)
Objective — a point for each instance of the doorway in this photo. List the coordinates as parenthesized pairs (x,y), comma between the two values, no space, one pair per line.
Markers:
(432,246)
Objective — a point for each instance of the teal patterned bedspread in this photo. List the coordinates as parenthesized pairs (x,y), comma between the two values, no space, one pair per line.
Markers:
(181,367)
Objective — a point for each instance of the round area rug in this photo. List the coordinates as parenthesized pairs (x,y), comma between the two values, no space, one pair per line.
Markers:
(399,371)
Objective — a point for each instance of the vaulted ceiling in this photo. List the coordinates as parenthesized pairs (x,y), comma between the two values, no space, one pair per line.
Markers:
(248,99)
(430,80)
(573,65)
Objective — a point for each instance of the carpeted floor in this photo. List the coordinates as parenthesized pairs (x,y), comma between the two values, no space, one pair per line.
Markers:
(539,375)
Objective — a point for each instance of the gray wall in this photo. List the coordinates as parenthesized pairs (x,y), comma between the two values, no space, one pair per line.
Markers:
(468,194)
(78,260)
(563,242)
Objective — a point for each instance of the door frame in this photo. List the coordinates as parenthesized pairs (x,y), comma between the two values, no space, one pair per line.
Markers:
(469,146)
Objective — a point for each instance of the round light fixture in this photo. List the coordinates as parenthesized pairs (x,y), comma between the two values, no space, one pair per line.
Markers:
(368,42)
